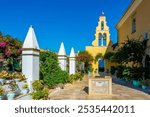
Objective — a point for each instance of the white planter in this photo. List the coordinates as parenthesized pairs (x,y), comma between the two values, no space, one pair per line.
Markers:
(8,81)
(2,81)
(24,91)
(17,80)
(11,95)
(1,97)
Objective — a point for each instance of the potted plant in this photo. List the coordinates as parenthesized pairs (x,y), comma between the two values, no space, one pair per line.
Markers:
(15,76)
(2,81)
(3,76)
(12,93)
(137,76)
(1,93)
(25,89)
(145,84)
(136,83)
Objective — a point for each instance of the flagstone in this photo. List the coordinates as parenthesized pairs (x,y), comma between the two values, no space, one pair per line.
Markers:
(79,91)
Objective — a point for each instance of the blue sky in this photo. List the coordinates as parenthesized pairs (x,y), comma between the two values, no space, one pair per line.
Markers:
(71,21)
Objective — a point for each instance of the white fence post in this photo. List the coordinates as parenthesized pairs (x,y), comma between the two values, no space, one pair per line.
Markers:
(30,58)
(62,57)
(72,62)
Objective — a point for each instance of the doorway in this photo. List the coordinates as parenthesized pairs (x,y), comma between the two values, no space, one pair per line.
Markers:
(101,65)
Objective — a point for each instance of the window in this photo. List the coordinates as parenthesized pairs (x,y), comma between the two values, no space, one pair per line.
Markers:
(134,25)
(100,40)
(102,25)
(104,39)
(146,36)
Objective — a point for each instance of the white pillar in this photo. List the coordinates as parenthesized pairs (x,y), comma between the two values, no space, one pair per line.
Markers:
(30,58)
(62,58)
(72,62)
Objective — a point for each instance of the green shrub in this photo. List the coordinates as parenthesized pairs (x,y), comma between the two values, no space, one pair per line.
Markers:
(145,82)
(71,78)
(119,72)
(25,86)
(39,91)
(1,91)
(50,71)
(127,73)
(79,76)
(40,94)
(37,85)
(148,81)
(74,77)
(113,70)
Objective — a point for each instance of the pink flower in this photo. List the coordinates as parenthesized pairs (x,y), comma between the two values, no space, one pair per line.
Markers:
(2,44)
(19,51)
(8,53)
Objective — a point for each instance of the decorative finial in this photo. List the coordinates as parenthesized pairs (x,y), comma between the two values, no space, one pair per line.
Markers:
(103,13)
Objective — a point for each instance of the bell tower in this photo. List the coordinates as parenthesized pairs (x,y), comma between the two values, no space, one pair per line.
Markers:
(102,35)
(101,45)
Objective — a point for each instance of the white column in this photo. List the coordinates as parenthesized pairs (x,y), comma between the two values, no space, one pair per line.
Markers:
(62,58)
(30,58)
(72,62)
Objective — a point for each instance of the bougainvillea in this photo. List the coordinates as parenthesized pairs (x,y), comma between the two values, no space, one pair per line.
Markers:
(2,44)
(9,46)
(10,50)
(86,59)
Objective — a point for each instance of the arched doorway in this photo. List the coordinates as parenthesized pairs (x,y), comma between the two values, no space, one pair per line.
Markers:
(101,65)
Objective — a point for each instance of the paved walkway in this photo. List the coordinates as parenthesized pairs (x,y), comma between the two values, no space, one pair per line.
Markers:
(79,90)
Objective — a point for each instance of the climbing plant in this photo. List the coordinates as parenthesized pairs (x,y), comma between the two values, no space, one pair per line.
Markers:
(98,56)
(130,56)
(109,56)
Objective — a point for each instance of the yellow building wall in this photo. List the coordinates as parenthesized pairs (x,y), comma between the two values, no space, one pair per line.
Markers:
(142,14)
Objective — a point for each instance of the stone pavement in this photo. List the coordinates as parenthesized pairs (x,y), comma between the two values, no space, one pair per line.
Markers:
(79,91)
(25,97)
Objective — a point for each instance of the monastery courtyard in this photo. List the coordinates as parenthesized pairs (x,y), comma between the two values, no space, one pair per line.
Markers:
(78,91)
